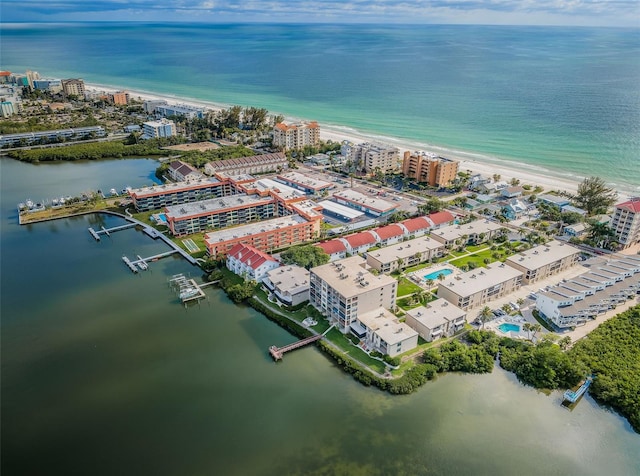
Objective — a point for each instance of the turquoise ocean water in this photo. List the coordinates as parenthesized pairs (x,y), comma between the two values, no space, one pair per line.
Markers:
(565,101)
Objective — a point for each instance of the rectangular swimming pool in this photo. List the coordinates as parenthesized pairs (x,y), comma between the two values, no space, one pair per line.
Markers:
(435,274)
(508,327)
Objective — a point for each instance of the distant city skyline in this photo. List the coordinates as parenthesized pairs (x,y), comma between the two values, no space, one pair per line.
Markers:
(624,13)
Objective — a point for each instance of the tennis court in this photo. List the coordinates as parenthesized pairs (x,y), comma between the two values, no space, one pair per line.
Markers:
(190,245)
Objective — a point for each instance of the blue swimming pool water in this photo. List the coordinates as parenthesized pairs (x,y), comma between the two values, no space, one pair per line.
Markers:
(163,217)
(506,327)
(435,274)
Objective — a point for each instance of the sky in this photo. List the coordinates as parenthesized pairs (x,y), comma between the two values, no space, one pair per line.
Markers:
(624,13)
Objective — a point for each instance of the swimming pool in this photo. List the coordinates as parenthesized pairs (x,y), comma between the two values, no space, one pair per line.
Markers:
(507,327)
(435,274)
(163,217)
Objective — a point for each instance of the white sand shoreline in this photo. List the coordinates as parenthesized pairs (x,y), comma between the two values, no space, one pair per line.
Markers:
(477,163)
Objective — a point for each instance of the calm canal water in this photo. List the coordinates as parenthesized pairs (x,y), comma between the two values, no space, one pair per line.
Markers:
(104,373)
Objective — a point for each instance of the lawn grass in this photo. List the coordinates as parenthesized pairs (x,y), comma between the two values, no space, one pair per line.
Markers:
(407,287)
(339,339)
(406,304)
(417,267)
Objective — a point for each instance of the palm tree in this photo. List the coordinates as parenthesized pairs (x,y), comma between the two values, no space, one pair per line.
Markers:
(565,342)
(430,283)
(535,328)
(485,315)
(527,328)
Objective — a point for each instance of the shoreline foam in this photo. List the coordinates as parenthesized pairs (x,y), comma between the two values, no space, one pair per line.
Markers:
(475,162)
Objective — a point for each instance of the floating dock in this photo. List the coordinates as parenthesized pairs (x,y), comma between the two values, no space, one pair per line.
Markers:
(142,263)
(572,396)
(108,231)
(129,264)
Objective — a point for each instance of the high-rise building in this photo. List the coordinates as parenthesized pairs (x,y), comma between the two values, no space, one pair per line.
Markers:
(430,168)
(372,157)
(343,290)
(296,136)
(31,77)
(625,222)
(73,87)
(120,97)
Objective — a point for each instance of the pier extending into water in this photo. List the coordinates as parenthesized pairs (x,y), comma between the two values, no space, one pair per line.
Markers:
(108,231)
(142,263)
(277,353)
(572,396)
(188,289)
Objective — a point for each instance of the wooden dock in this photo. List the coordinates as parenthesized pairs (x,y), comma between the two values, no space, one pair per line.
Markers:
(108,231)
(143,263)
(277,353)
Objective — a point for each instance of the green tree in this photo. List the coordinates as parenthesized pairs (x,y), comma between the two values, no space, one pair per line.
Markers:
(594,196)
(307,256)
(485,315)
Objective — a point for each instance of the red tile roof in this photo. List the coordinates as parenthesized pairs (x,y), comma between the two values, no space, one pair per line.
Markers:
(440,218)
(332,246)
(249,255)
(632,205)
(389,231)
(360,239)
(415,224)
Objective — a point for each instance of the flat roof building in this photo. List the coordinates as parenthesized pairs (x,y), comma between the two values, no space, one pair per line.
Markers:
(544,260)
(266,235)
(481,285)
(302,182)
(381,331)
(474,232)
(625,222)
(340,211)
(405,254)
(161,128)
(160,196)
(371,205)
(342,290)
(371,157)
(289,283)
(296,136)
(429,168)
(438,318)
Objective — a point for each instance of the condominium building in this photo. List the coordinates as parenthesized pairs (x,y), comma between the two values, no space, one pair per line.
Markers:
(120,98)
(250,263)
(53,86)
(438,318)
(289,284)
(625,222)
(479,286)
(181,171)
(296,136)
(343,290)
(267,235)
(161,128)
(188,218)
(73,87)
(255,164)
(405,254)
(7,109)
(373,157)
(27,138)
(159,196)
(430,168)
(31,77)
(475,232)
(336,249)
(162,109)
(381,331)
(545,260)
(606,284)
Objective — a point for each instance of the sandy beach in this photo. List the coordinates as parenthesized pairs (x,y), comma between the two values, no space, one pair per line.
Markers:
(487,166)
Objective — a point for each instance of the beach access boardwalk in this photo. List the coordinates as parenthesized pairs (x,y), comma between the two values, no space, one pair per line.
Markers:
(278,352)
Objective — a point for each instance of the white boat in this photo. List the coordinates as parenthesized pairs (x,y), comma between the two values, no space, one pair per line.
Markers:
(188,292)
(113,191)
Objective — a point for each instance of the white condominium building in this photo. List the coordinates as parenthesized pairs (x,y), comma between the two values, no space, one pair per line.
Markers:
(625,222)
(342,290)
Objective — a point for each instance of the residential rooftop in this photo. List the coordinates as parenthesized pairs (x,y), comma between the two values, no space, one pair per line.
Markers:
(349,277)
(405,249)
(173,187)
(213,205)
(304,180)
(543,255)
(358,198)
(386,326)
(453,232)
(436,313)
(479,279)
(290,279)
(341,210)
(253,228)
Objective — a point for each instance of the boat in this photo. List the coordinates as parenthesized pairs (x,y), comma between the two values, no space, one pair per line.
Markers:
(188,292)
(572,396)
(113,191)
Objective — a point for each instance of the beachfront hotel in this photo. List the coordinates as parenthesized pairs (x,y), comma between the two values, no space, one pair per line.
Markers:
(481,285)
(372,157)
(625,222)
(438,318)
(267,235)
(405,254)
(473,233)
(607,283)
(250,263)
(372,206)
(296,136)
(168,194)
(544,260)
(289,284)
(429,168)
(380,331)
(255,164)
(343,290)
